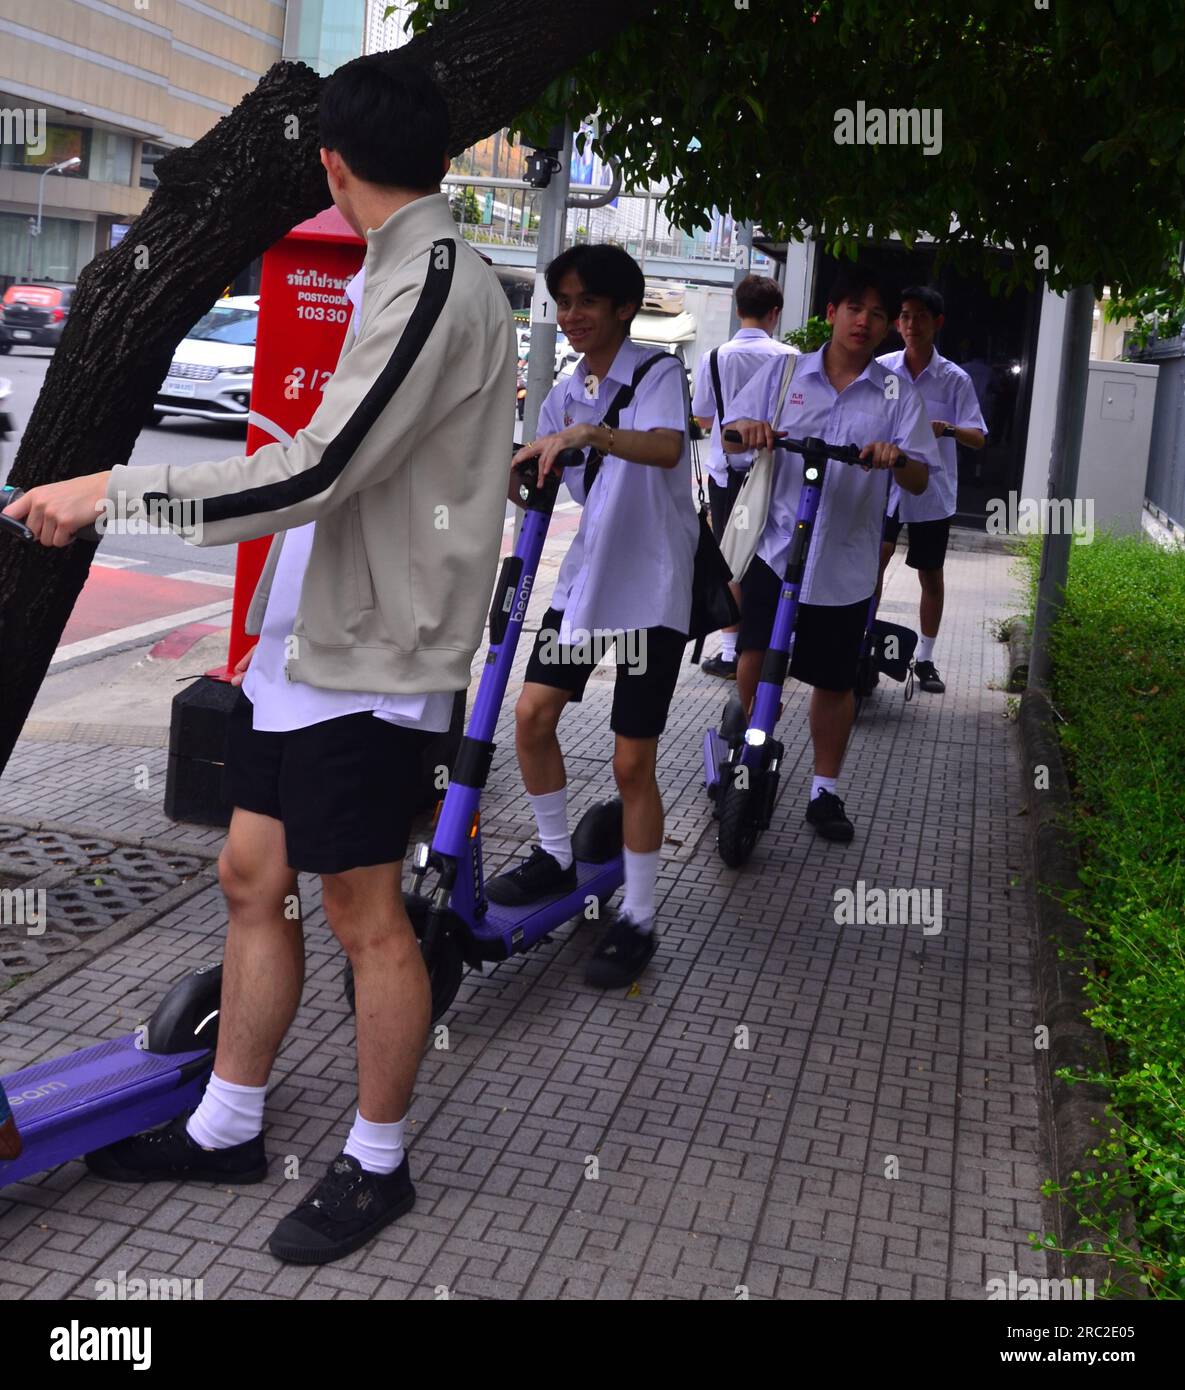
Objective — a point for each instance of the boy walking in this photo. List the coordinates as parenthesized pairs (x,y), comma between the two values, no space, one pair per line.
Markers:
(627,572)
(719,377)
(842,395)
(953,409)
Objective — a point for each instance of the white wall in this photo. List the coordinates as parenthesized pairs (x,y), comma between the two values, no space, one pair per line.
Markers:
(798,286)
(1046,374)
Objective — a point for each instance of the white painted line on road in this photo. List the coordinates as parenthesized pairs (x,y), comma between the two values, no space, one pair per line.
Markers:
(153,628)
(116,562)
(223,581)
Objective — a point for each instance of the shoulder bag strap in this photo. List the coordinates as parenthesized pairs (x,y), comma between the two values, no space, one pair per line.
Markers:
(623,398)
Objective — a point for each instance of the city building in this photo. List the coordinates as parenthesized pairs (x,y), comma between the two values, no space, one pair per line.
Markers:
(113,87)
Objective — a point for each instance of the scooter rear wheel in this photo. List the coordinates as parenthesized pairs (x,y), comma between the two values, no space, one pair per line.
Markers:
(446,967)
(738,824)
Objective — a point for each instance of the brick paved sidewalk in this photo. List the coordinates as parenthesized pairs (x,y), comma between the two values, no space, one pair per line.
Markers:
(872,1050)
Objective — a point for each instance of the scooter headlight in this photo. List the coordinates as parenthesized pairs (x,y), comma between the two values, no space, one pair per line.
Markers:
(419,857)
(754,737)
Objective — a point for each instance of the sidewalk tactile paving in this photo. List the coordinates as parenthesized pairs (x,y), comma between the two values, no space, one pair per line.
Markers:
(878,1136)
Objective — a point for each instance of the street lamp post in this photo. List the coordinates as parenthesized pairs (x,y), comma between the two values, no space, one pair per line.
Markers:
(35,227)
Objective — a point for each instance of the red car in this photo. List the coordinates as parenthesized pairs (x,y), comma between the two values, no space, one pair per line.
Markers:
(34,315)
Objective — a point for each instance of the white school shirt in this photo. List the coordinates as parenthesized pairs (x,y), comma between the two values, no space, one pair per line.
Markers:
(948,394)
(630,563)
(745,353)
(844,556)
(280,705)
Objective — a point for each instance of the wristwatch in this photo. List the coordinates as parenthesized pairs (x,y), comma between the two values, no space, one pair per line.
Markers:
(949,432)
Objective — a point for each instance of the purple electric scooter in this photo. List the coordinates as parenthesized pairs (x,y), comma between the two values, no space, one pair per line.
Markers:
(742,758)
(82,1101)
(455,922)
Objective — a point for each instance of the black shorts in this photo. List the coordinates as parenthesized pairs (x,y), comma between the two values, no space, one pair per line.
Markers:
(927,541)
(647,671)
(346,790)
(827,640)
(721,501)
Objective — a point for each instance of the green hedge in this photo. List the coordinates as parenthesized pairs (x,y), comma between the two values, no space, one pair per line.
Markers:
(1118,655)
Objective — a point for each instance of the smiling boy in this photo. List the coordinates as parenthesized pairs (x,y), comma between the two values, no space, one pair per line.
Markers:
(627,571)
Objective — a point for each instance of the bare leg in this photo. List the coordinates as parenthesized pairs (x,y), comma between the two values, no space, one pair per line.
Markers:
(748,675)
(393,1002)
(642,817)
(887,549)
(536,717)
(933,594)
(263,966)
(832,712)
(735,591)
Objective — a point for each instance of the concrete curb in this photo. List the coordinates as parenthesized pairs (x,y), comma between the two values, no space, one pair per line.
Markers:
(1072,1107)
(1020,644)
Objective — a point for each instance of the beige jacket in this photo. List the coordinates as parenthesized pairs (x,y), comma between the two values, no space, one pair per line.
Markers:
(403,467)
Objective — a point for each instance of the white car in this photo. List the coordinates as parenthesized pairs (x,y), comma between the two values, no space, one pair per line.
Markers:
(212,369)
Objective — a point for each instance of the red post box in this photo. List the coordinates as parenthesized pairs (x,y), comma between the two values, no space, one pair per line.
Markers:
(303,318)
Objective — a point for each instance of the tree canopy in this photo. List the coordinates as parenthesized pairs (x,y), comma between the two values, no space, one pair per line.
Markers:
(1062,125)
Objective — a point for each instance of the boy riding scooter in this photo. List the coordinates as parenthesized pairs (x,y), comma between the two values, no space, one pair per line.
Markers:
(628,572)
(842,395)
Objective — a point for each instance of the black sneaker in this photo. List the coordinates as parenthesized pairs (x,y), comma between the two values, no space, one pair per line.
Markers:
(170,1155)
(622,953)
(826,814)
(717,666)
(926,675)
(348,1207)
(538,877)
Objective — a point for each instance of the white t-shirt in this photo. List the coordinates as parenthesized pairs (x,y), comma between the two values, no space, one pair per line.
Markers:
(737,360)
(844,555)
(630,563)
(280,705)
(948,394)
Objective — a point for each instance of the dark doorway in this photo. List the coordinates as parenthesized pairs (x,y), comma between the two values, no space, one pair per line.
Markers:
(992,337)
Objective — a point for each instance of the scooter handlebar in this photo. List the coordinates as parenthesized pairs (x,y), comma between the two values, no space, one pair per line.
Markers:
(9,494)
(842,453)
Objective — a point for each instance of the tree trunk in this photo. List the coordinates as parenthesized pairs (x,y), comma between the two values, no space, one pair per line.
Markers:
(221,203)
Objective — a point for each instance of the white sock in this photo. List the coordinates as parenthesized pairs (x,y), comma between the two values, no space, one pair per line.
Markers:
(378,1148)
(925,650)
(641,883)
(228,1114)
(823,784)
(728,646)
(551,816)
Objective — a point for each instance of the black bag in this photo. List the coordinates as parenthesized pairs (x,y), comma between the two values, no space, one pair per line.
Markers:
(892,648)
(712,603)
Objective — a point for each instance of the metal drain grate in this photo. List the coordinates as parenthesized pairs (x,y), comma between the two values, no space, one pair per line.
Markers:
(88,884)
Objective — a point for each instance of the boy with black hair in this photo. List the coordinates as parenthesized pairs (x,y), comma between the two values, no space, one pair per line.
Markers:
(955,418)
(719,376)
(842,395)
(627,573)
(368,614)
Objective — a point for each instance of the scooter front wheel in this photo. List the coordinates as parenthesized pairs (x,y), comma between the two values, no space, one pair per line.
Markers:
(445,968)
(739,826)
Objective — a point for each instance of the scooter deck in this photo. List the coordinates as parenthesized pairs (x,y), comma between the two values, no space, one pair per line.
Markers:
(518,928)
(716,752)
(67,1107)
